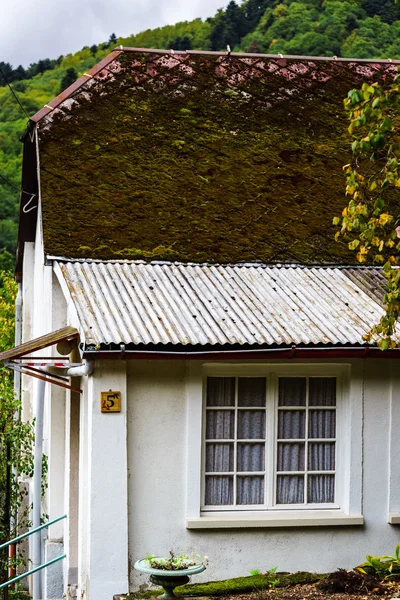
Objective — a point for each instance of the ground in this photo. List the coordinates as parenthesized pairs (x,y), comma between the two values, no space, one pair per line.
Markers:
(341,585)
(312,592)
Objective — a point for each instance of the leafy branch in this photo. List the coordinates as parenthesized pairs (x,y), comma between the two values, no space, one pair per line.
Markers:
(372,182)
(16,435)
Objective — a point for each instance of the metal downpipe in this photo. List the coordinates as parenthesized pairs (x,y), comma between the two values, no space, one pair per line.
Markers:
(36,548)
(17,394)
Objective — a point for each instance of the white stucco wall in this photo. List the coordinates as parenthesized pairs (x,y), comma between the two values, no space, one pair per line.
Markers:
(44,310)
(157,441)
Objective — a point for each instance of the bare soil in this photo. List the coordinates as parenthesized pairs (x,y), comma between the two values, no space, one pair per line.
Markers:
(384,591)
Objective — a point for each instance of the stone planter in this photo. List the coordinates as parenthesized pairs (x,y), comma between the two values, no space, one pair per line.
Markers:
(168,580)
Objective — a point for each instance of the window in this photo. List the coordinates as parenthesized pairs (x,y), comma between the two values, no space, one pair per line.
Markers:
(253,443)
(276,445)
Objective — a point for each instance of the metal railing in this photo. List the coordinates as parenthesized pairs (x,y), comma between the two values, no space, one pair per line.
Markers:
(38,568)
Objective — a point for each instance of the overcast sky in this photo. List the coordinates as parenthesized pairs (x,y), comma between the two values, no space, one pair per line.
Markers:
(35,29)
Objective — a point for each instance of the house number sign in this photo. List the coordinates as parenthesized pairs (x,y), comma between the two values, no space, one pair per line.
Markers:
(110,401)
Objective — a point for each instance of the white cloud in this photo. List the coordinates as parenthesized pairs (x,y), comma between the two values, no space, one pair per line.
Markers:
(35,29)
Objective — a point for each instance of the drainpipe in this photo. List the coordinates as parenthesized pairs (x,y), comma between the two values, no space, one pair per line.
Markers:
(17,394)
(37,488)
(86,368)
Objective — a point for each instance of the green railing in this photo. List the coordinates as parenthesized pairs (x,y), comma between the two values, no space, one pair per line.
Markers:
(25,535)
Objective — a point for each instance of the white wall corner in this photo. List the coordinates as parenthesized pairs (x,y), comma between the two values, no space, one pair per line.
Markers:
(353,397)
(394,447)
(194,404)
(107,542)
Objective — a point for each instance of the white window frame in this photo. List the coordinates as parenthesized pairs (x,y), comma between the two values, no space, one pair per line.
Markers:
(348,478)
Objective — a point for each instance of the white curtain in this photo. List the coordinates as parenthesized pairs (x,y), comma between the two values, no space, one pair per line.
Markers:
(221,391)
(250,490)
(291,455)
(306,424)
(290,489)
(250,425)
(219,458)
(220,425)
(219,490)
(291,424)
(321,488)
(250,457)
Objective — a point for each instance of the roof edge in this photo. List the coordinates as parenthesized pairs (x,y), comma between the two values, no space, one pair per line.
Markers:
(60,259)
(67,93)
(48,108)
(259,55)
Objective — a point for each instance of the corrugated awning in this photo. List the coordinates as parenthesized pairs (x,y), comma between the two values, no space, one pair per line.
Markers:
(146,305)
(44,341)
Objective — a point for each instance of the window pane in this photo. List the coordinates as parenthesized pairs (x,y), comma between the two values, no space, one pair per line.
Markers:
(322,391)
(322,424)
(250,457)
(219,457)
(219,489)
(290,489)
(251,424)
(291,424)
(252,391)
(321,489)
(321,456)
(291,456)
(250,490)
(220,425)
(220,391)
(292,391)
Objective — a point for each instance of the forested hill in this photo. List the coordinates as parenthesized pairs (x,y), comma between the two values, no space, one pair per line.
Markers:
(344,28)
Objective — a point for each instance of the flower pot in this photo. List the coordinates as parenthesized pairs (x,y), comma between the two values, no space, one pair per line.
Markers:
(167,579)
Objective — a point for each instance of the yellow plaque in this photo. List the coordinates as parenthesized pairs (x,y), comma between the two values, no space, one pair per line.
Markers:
(110,402)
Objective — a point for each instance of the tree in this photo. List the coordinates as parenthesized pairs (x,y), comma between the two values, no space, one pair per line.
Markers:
(230,27)
(69,78)
(16,436)
(372,216)
(181,43)
(385,9)
(112,40)
(254,10)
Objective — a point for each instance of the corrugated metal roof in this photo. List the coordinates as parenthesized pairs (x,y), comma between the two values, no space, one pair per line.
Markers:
(158,304)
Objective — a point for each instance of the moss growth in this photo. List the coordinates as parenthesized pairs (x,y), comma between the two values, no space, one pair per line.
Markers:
(194,159)
(242,585)
(239,585)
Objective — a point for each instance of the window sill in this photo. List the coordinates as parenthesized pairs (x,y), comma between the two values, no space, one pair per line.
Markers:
(315,518)
(394,518)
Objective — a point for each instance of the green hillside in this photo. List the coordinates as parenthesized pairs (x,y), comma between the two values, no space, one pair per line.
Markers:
(345,28)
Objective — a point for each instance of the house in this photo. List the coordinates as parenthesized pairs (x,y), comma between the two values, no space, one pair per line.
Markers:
(175,238)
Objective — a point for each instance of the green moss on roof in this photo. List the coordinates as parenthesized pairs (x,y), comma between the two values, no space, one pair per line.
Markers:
(200,159)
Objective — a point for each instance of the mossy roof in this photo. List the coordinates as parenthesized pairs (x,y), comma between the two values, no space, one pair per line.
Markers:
(200,157)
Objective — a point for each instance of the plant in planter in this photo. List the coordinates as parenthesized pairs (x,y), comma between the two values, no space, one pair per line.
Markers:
(171,571)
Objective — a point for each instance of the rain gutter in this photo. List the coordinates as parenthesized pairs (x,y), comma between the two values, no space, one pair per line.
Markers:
(293,352)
